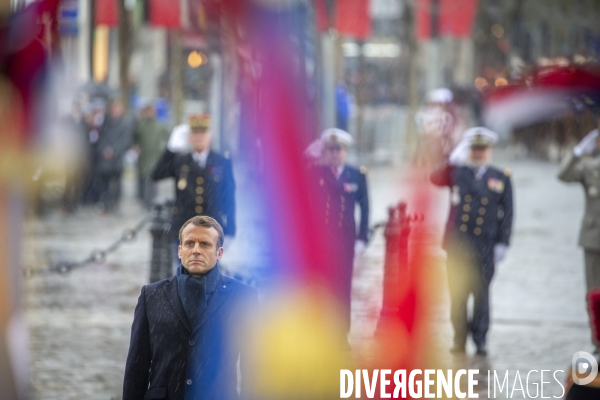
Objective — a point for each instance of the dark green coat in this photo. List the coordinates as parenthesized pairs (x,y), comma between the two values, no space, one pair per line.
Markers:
(151,137)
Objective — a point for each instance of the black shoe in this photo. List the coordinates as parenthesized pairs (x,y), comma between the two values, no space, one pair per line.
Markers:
(481,351)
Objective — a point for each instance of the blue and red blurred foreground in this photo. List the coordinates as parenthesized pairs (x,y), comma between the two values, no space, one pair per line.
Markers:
(300,344)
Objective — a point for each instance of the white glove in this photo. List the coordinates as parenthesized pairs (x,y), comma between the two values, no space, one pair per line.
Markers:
(587,144)
(460,154)
(500,251)
(178,141)
(359,247)
(227,242)
(314,150)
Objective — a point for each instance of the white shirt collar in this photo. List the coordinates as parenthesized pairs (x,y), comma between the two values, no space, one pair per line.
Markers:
(479,172)
(339,169)
(201,158)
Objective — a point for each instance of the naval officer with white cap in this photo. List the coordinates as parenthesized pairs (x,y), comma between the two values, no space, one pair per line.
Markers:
(477,233)
(343,188)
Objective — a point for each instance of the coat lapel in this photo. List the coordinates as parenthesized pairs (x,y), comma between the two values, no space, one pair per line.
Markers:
(218,297)
(173,297)
(346,176)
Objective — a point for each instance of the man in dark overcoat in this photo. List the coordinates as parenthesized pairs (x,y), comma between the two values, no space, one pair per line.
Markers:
(116,137)
(184,342)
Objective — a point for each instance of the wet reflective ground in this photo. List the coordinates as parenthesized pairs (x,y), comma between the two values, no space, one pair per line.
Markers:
(80,322)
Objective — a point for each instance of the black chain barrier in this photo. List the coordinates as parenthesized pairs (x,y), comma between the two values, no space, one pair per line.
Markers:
(96,256)
(161,265)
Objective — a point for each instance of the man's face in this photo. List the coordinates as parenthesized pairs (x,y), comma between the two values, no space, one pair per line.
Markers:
(198,250)
(335,156)
(200,139)
(480,155)
(116,109)
(148,112)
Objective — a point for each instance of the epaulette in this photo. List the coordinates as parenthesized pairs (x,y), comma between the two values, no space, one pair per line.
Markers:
(507,172)
(363,169)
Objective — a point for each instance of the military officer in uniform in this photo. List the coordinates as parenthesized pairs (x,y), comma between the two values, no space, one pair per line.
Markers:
(343,187)
(203,178)
(477,233)
(583,166)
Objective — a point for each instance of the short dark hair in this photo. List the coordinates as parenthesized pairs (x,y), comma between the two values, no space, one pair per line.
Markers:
(206,222)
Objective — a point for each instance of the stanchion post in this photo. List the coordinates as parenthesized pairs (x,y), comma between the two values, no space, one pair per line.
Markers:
(397,232)
(161,264)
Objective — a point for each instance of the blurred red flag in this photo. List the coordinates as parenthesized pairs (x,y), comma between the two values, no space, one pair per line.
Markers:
(106,12)
(449,17)
(348,17)
(26,56)
(423,19)
(165,13)
(457,17)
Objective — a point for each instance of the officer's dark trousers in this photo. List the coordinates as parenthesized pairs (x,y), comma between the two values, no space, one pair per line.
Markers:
(343,264)
(470,273)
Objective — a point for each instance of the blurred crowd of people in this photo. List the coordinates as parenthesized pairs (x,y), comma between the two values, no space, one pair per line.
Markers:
(108,132)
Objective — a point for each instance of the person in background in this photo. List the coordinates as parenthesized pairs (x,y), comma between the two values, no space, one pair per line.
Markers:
(94,114)
(114,140)
(204,183)
(73,126)
(477,232)
(150,139)
(343,188)
(583,166)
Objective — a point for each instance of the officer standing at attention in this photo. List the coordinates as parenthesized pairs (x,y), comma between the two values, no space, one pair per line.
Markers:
(477,233)
(204,183)
(583,166)
(343,187)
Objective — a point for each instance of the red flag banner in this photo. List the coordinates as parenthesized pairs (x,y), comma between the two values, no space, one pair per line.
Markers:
(322,16)
(348,17)
(423,19)
(106,12)
(457,17)
(165,13)
(352,18)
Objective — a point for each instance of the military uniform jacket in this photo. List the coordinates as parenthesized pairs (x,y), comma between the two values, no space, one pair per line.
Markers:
(341,196)
(481,207)
(199,191)
(586,170)
(169,359)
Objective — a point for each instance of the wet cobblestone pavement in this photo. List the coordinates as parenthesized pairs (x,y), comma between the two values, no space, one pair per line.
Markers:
(80,322)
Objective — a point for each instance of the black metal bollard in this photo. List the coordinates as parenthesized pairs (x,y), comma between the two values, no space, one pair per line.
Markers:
(397,232)
(161,264)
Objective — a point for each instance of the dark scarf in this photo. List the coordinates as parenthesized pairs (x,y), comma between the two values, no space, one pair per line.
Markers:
(195,292)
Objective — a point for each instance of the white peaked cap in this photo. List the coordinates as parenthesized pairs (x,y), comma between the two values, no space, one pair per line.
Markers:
(479,134)
(440,95)
(335,135)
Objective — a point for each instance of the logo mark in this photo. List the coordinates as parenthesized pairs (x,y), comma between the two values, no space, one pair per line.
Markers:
(580,367)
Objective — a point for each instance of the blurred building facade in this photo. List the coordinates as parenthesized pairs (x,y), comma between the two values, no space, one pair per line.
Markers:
(380,57)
